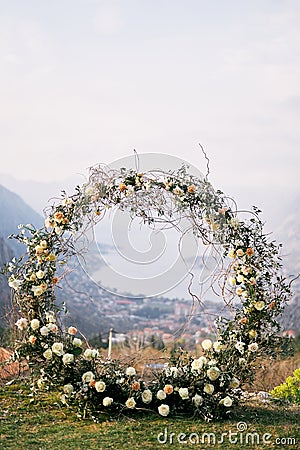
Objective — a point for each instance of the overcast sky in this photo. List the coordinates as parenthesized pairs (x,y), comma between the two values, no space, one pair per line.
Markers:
(87,81)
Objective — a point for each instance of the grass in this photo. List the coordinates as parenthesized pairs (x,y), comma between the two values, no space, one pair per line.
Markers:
(45,424)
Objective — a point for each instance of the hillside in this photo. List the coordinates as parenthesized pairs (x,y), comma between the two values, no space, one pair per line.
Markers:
(15,211)
(288,234)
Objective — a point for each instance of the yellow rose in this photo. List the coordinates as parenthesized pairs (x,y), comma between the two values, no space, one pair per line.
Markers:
(231,254)
(259,305)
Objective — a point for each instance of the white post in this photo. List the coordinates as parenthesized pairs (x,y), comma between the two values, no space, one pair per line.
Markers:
(109,343)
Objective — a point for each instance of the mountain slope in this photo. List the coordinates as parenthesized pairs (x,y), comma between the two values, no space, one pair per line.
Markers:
(15,211)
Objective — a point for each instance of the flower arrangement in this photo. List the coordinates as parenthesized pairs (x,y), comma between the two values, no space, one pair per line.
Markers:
(249,272)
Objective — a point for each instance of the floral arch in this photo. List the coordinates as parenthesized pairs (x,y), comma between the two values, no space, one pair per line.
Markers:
(249,271)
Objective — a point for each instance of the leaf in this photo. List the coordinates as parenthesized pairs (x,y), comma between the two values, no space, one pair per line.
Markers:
(77,351)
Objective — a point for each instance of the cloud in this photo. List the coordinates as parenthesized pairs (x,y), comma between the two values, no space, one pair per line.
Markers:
(108,20)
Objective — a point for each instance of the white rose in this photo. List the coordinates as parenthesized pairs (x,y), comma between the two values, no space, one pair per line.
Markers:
(206,344)
(227,401)
(40,274)
(14,283)
(107,401)
(37,290)
(87,377)
(197,400)
(90,353)
(77,342)
(209,388)
(48,223)
(44,331)
(130,371)
(52,327)
(184,393)
(147,396)
(253,347)
(68,389)
(130,403)
(240,278)
(164,410)
(213,373)
(68,358)
(22,323)
(234,384)
(35,324)
(100,386)
(161,395)
(47,353)
(198,364)
(43,244)
(218,346)
(58,348)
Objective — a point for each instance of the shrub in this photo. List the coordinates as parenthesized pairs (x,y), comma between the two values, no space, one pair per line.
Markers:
(290,390)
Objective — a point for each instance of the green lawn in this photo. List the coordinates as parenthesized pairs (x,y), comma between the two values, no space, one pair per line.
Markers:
(45,424)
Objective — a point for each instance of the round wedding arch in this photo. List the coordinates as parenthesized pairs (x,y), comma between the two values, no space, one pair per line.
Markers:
(250,272)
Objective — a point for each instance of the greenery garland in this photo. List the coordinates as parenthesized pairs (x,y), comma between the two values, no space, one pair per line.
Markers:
(249,272)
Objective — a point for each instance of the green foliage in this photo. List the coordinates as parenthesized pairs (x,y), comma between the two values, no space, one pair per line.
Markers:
(290,390)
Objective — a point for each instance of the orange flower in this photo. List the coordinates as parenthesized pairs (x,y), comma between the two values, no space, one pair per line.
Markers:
(243,320)
(122,187)
(58,216)
(92,383)
(272,305)
(32,339)
(191,189)
(72,330)
(136,386)
(168,389)
(249,251)
(54,280)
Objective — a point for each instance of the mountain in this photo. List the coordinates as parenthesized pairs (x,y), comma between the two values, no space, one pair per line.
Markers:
(40,194)
(288,234)
(14,211)
(6,254)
